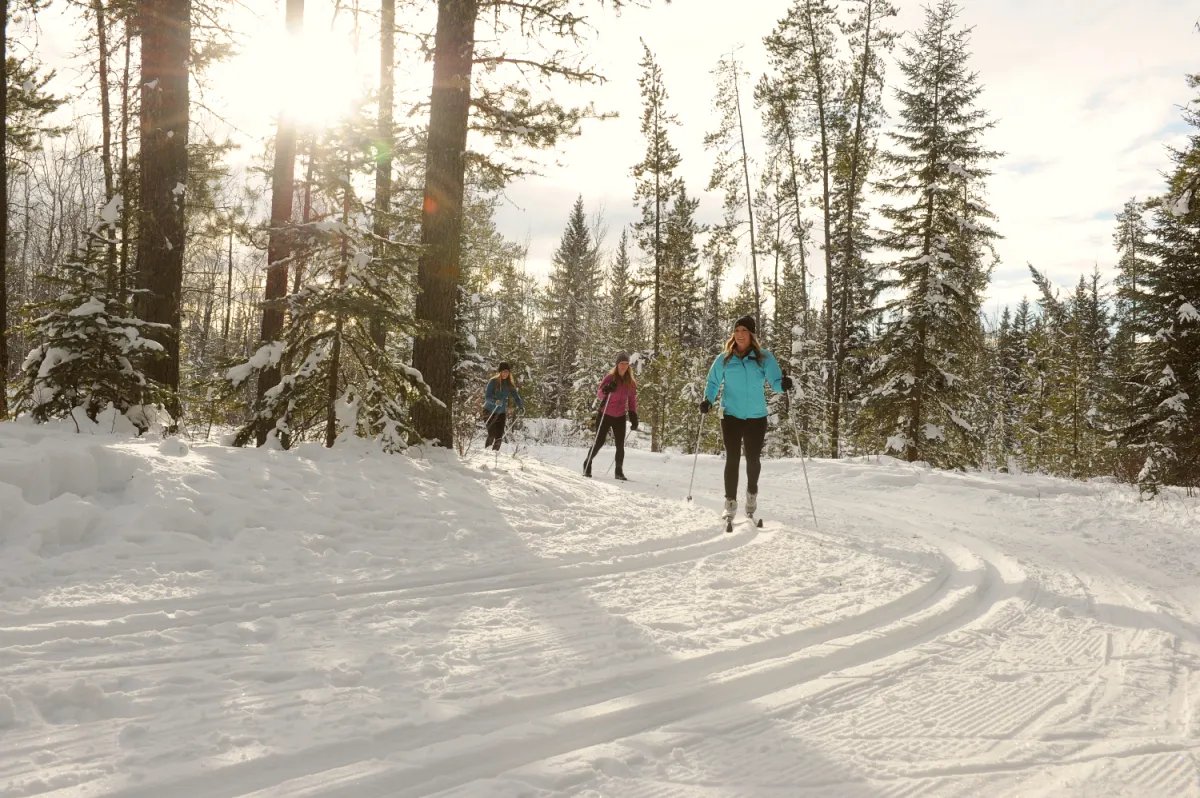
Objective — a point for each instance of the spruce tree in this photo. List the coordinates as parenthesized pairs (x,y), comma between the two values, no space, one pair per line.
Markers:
(574,283)
(731,168)
(656,185)
(803,51)
(1166,427)
(93,352)
(857,127)
(939,229)
(335,380)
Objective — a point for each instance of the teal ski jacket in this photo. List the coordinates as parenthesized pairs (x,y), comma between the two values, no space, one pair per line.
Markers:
(743,378)
(496,396)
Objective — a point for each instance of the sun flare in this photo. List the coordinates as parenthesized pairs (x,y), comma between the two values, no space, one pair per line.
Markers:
(315,77)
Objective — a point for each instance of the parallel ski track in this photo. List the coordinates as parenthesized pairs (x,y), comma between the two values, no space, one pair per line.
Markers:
(164,614)
(501,737)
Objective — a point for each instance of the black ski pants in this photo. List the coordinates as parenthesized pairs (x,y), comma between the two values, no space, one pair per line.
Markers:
(739,433)
(495,429)
(617,425)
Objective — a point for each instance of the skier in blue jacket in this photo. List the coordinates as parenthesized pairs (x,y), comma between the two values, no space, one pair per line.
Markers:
(743,368)
(495,404)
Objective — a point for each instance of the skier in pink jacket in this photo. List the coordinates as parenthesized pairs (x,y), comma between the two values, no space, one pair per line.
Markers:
(618,393)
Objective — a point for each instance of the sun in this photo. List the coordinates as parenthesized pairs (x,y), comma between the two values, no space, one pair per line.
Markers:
(314,78)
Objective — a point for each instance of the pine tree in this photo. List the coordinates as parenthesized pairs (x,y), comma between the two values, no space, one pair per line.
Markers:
(574,283)
(335,379)
(624,305)
(803,50)
(856,127)
(1130,239)
(920,389)
(1166,428)
(163,170)
(93,352)
(731,170)
(682,286)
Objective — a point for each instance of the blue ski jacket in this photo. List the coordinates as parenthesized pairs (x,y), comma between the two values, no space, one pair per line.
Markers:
(496,396)
(743,378)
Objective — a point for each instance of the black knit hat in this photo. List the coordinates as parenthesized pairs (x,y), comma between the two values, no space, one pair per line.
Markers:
(504,366)
(747,322)
(622,357)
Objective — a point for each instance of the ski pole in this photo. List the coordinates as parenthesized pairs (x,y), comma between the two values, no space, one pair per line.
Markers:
(696,456)
(796,433)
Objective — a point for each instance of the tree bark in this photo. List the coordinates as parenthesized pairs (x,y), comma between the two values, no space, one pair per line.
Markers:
(279,240)
(4,212)
(656,416)
(228,291)
(123,267)
(166,40)
(385,144)
(817,58)
(850,264)
(105,126)
(737,98)
(442,220)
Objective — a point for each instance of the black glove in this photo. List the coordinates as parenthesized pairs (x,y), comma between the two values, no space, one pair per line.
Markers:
(786,383)
(633,421)
(609,386)
(705,406)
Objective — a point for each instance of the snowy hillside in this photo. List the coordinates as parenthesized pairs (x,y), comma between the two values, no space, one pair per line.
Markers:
(204,621)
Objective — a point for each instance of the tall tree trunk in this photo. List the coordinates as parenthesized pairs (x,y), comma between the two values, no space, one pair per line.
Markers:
(794,183)
(442,218)
(4,213)
(166,42)
(656,416)
(228,290)
(823,123)
(737,99)
(306,211)
(105,125)
(335,355)
(778,238)
(279,240)
(850,260)
(385,144)
(123,268)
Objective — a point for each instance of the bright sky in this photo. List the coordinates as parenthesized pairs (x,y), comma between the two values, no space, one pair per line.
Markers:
(1085,93)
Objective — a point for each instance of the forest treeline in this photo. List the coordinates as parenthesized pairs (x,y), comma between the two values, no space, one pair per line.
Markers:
(354,280)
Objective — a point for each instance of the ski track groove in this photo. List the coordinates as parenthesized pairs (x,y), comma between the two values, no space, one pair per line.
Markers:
(365,596)
(502,738)
(988,730)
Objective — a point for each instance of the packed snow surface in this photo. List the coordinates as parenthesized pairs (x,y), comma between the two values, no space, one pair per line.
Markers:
(194,621)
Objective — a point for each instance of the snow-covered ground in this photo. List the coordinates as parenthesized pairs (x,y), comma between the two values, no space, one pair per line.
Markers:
(201,621)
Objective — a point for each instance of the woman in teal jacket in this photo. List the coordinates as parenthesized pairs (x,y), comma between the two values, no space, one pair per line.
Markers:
(743,368)
(495,405)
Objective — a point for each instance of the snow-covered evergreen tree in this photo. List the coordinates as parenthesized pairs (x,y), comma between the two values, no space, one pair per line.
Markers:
(335,378)
(1166,427)
(92,351)
(570,307)
(940,229)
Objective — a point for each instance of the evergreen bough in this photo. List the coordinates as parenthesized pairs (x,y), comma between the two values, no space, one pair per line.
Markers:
(93,350)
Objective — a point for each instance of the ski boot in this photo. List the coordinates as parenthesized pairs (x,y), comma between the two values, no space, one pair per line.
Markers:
(587,467)
(751,508)
(728,513)
(620,475)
